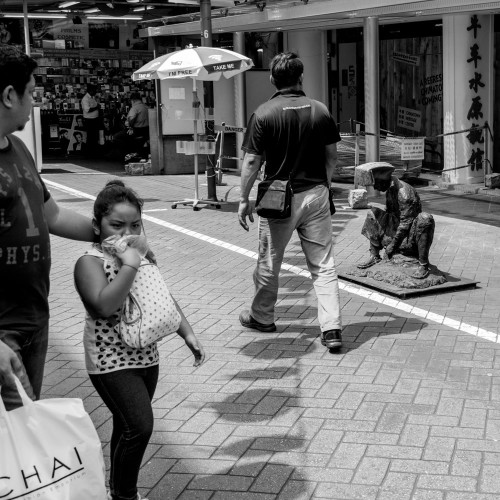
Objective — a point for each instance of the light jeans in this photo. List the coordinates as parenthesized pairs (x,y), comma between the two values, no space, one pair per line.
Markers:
(311,218)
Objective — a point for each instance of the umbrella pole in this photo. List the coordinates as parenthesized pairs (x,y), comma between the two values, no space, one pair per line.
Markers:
(195,123)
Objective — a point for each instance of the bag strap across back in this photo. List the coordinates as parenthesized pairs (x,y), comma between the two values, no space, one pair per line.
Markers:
(304,141)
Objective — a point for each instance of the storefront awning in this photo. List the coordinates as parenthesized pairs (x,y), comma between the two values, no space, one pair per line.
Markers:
(307,15)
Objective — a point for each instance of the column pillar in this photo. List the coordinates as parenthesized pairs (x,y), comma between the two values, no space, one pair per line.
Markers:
(372,91)
(311,48)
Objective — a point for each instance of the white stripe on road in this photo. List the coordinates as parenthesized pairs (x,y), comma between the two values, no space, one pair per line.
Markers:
(355,290)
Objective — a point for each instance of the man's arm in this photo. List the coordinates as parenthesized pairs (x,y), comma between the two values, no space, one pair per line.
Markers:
(67,223)
(131,117)
(407,214)
(331,161)
(249,171)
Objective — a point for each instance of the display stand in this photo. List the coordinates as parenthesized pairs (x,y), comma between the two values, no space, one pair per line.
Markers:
(195,202)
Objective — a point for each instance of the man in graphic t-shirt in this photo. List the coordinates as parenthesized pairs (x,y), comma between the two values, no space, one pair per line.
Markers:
(27,215)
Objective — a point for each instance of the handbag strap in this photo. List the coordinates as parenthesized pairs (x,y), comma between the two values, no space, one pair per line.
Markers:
(26,400)
(302,144)
(304,141)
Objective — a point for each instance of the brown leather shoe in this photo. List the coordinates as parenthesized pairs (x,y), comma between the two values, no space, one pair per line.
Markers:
(370,262)
(248,321)
(332,339)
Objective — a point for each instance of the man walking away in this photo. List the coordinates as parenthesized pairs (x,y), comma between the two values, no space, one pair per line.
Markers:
(295,134)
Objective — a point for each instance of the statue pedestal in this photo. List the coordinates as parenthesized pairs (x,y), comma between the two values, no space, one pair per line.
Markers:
(394,277)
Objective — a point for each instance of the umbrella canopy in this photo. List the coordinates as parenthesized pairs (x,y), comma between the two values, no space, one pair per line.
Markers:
(199,63)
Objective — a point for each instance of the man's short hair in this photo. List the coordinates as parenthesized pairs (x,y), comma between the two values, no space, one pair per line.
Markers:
(16,68)
(135,96)
(77,133)
(286,69)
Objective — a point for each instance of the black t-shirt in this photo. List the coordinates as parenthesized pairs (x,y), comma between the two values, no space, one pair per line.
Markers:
(276,130)
(24,241)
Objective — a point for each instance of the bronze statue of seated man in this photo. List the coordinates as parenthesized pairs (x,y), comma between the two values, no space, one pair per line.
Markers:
(402,227)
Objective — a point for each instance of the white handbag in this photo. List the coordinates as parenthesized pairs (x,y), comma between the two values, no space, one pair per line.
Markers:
(50,450)
(149,312)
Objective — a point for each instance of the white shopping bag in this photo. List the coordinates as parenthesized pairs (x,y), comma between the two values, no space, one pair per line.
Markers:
(50,450)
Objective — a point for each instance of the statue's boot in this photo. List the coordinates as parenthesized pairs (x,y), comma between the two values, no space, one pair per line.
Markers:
(422,272)
(374,259)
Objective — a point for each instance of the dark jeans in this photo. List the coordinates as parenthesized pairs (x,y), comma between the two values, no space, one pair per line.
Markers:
(128,394)
(92,126)
(31,349)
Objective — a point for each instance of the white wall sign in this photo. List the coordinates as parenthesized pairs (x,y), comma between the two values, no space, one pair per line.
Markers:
(176,93)
(410,119)
(413,148)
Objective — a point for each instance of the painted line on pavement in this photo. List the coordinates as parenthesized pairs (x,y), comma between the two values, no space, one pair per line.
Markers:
(348,287)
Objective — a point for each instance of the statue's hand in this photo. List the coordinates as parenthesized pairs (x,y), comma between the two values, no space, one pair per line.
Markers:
(389,251)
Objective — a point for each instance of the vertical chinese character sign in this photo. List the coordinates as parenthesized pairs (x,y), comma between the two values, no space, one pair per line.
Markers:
(475,114)
(467,94)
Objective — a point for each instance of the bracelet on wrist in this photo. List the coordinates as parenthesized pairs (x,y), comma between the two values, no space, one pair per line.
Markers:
(133,267)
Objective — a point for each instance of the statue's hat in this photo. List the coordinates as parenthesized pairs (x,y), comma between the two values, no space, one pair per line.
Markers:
(365,174)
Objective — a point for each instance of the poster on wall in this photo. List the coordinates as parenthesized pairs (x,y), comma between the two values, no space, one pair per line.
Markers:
(104,36)
(11,32)
(40,30)
(72,134)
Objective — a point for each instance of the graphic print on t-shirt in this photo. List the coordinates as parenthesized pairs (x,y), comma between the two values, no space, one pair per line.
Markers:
(24,241)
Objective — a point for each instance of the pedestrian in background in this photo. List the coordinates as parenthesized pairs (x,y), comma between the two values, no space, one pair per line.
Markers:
(138,117)
(124,377)
(135,138)
(91,108)
(28,214)
(297,134)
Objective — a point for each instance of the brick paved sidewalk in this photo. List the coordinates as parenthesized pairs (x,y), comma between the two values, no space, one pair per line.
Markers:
(409,409)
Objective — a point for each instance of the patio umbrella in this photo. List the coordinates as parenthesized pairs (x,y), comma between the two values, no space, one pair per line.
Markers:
(197,63)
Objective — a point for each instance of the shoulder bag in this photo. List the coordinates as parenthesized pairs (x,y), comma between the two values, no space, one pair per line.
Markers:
(149,312)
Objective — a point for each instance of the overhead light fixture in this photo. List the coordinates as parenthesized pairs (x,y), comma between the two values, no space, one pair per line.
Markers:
(67,4)
(147,7)
(91,11)
(34,15)
(114,18)
(133,1)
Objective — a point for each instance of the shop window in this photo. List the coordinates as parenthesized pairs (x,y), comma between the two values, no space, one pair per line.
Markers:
(262,47)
